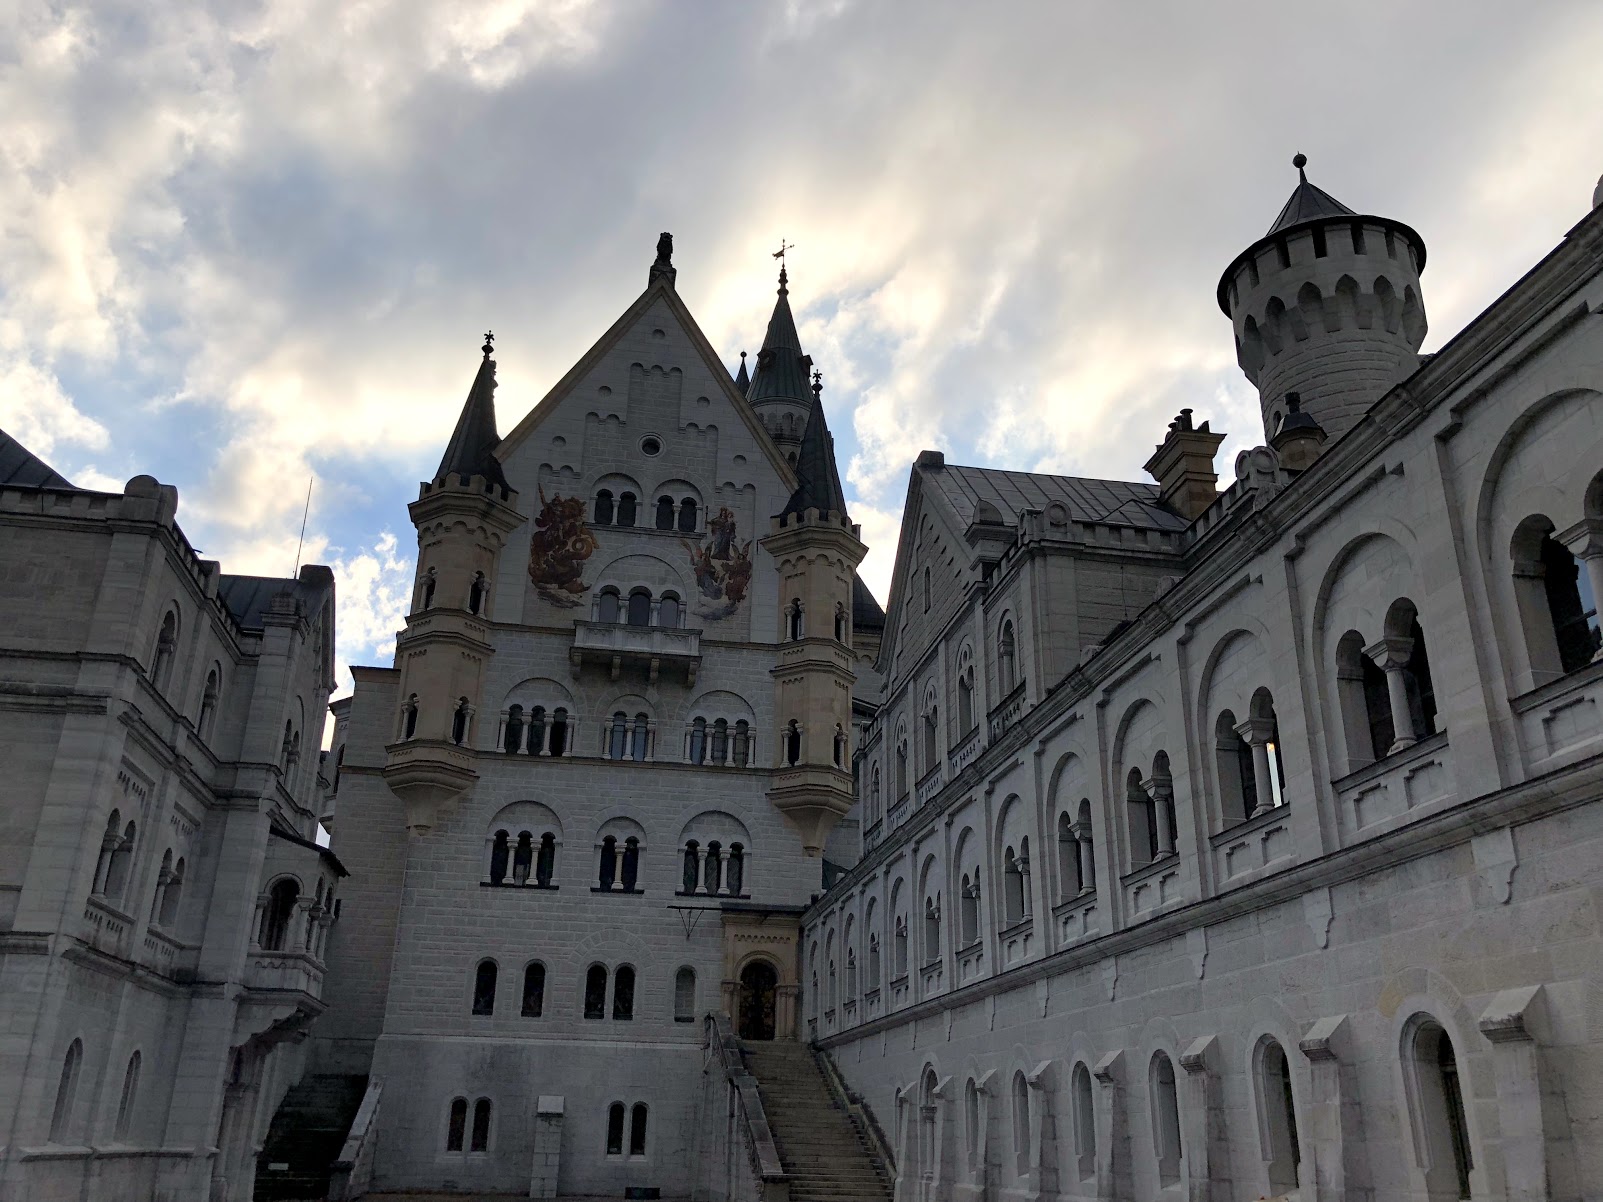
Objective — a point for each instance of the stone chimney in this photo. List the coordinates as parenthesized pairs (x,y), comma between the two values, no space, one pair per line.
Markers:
(1183,466)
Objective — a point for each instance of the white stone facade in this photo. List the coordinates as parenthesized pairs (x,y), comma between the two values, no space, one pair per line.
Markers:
(163,906)
(1186,906)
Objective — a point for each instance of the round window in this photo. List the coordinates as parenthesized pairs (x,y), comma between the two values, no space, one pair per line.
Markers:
(651,445)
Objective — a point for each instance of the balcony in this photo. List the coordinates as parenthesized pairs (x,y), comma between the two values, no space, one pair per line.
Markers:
(929,785)
(1076,918)
(284,972)
(970,962)
(1254,848)
(1153,886)
(966,751)
(1398,789)
(617,644)
(1006,713)
(1559,721)
(1018,941)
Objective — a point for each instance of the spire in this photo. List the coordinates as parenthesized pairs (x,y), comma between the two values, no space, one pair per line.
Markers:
(781,367)
(471,451)
(742,380)
(818,480)
(1307,202)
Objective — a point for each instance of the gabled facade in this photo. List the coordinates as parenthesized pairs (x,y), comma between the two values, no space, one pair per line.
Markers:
(164,906)
(586,806)
(1216,843)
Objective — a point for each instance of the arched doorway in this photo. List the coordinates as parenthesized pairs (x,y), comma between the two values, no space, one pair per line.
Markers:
(759,993)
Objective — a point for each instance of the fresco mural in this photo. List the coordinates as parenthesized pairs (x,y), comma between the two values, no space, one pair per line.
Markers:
(561,544)
(722,567)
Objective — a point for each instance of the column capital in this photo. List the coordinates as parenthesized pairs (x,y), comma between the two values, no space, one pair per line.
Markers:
(1255,732)
(1391,652)
(1584,540)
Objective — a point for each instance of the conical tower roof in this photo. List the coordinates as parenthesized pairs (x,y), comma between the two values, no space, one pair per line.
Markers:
(781,367)
(1307,202)
(742,380)
(471,451)
(818,485)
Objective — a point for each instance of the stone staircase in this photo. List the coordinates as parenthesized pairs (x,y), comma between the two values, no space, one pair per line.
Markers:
(825,1153)
(307,1133)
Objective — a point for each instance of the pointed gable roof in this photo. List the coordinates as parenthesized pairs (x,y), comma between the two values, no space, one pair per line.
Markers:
(21,468)
(742,380)
(781,367)
(818,484)
(471,451)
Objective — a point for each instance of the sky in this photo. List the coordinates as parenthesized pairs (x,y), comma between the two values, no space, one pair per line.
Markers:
(248,246)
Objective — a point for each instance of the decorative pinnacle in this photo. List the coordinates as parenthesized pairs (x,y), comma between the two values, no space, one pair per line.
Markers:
(489,342)
(818,381)
(742,354)
(1299,161)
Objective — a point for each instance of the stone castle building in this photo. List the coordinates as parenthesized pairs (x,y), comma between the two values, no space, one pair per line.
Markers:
(164,906)
(1161,842)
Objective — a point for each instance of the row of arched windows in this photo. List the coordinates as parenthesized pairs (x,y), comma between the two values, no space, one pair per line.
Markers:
(460,1137)
(65,1124)
(476,601)
(535,733)
(620,509)
(600,987)
(539,732)
(639,608)
(791,747)
(711,868)
(796,622)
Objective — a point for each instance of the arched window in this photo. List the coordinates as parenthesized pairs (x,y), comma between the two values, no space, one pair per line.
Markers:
(640,607)
(126,1105)
(1143,819)
(484,988)
(932,929)
(480,1139)
(1365,702)
(536,740)
(926,590)
(629,871)
(166,648)
(971,1123)
(720,741)
(684,996)
(1438,1101)
(476,593)
(965,699)
(1165,1119)
(559,731)
(698,741)
(623,993)
(618,739)
(1556,603)
(637,1130)
(1416,678)
(208,704)
(1068,858)
(66,1094)
(604,509)
(1238,792)
(851,973)
(691,876)
(457,1126)
(1007,658)
(968,910)
(840,746)
(668,612)
(899,946)
(533,990)
(873,960)
(792,742)
(609,862)
(522,858)
(459,720)
(664,513)
(430,582)
(545,864)
(626,509)
(1021,1123)
(638,749)
(735,871)
(615,1117)
(1012,887)
(595,992)
(608,606)
(1083,1117)
(901,765)
(840,623)
(409,717)
(742,743)
(282,899)
(1279,1112)
(794,625)
(875,801)
(512,742)
(712,874)
(932,734)
(172,895)
(687,515)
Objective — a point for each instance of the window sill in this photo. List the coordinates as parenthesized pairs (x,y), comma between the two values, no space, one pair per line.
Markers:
(1380,767)
(512,885)
(629,892)
(715,896)
(1258,821)
(1543,693)
(1164,862)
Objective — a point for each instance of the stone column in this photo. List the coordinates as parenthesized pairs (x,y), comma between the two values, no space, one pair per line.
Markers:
(1024,876)
(1391,656)
(1584,540)
(1082,840)
(1330,1113)
(1161,792)
(1257,733)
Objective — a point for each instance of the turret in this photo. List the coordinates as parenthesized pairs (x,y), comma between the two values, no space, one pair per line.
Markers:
(816,550)
(462,517)
(1326,305)
(778,390)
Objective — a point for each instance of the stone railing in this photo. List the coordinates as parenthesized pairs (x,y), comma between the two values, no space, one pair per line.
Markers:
(1006,712)
(739,1162)
(967,751)
(351,1175)
(299,972)
(929,785)
(618,643)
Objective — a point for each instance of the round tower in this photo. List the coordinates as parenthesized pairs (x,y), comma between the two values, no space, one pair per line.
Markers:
(1326,305)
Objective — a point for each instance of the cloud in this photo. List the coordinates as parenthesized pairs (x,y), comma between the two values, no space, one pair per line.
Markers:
(247,245)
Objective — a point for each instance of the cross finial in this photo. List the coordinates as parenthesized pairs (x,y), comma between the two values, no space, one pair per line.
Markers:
(818,381)
(489,342)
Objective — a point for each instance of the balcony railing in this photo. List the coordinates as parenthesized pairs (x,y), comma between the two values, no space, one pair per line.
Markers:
(929,784)
(1007,712)
(966,751)
(617,644)
(299,972)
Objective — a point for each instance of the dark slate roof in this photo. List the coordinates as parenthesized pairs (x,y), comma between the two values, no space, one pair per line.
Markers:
(999,496)
(20,467)
(1308,202)
(742,380)
(781,367)
(248,598)
(867,613)
(819,480)
(471,451)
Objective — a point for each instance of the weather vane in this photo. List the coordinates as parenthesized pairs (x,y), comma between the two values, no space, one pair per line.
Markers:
(783,247)
(489,343)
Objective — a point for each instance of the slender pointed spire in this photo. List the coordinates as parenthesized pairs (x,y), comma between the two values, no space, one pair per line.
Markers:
(742,380)
(818,479)
(1308,202)
(781,367)
(471,451)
